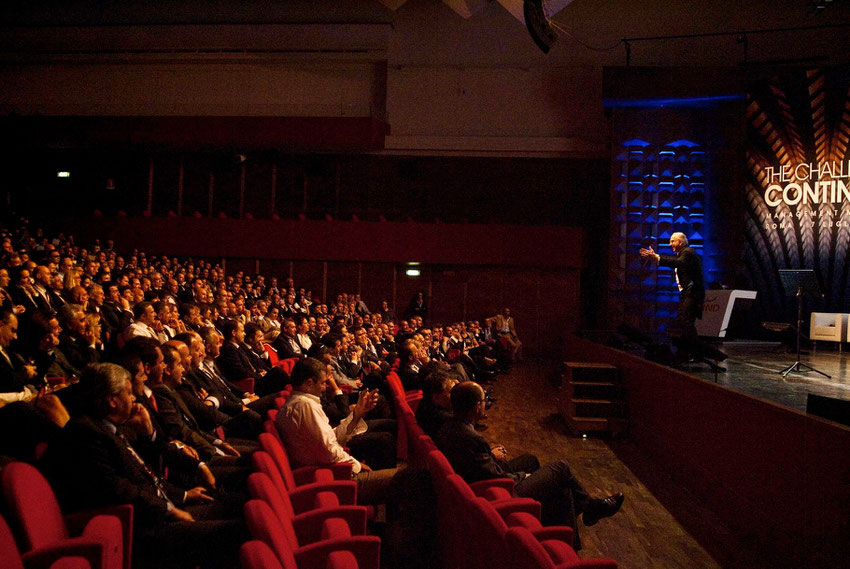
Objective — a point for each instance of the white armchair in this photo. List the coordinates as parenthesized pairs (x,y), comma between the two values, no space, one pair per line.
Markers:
(828,327)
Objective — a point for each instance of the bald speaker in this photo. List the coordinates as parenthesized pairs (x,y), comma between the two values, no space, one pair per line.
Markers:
(538,24)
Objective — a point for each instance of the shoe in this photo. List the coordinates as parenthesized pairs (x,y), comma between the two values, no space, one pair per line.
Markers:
(599,508)
(481,427)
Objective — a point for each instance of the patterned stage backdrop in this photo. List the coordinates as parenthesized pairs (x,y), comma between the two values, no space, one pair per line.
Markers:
(797,186)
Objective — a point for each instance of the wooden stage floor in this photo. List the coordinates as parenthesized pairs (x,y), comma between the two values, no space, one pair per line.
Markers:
(753,368)
(661,525)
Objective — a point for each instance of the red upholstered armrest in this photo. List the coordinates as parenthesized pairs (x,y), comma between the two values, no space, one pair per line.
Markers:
(365,548)
(559,551)
(87,549)
(313,526)
(482,485)
(523,512)
(495,494)
(303,498)
(246,384)
(526,508)
(552,533)
(342,560)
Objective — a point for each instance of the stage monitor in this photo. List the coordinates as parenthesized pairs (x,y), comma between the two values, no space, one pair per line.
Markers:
(830,408)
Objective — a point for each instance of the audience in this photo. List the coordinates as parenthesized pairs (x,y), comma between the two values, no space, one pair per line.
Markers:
(169,424)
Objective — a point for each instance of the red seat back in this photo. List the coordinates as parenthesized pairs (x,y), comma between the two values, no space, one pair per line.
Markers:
(255,554)
(261,487)
(273,359)
(31,502)
(275,449)
(10,557)
(263,463)
(266,527)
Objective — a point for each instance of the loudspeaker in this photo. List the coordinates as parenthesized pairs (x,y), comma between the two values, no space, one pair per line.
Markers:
(538,24)
(830,408)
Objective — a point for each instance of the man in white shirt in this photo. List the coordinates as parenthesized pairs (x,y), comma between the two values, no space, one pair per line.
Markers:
(145,319)
(309,438)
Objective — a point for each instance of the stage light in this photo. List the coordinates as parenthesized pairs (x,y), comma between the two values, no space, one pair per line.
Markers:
(412,272)
(63,174)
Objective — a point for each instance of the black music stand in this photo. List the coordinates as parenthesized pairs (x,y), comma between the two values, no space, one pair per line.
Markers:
(799,282)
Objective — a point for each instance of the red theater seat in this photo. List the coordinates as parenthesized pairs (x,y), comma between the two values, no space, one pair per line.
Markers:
(294,550)
(525,551)
(34,510)
(59,557)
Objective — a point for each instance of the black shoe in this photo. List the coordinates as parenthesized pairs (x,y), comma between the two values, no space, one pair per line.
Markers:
(599,508)
(481,427)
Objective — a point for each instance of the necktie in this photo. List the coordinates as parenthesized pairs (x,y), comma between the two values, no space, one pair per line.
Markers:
(150,474)
(153,403)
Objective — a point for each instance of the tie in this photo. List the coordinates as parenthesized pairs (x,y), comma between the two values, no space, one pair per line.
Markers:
(153,477)
(153,403)
(6,357)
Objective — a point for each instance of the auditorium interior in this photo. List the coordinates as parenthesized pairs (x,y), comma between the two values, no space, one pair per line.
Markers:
(488,154)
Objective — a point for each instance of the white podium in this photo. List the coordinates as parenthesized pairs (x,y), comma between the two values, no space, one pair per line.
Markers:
(717,311)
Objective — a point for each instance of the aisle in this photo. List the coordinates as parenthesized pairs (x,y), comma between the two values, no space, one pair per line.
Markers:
(644,534)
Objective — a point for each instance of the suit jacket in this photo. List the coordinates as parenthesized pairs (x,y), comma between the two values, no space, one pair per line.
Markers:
(207,416)
(57,301)
(235,363)
(499,322)
(78,353)
(179,422)
(115,317)
(283,345)
(469,453)
(158,452)
(12,378)
(229,402)
(688,267)
(31,302)
(90,467)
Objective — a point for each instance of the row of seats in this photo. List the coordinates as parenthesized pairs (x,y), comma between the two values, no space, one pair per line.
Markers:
(483,525)
(304,518)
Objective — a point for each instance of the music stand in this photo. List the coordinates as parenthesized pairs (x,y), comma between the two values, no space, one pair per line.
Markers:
(797,282)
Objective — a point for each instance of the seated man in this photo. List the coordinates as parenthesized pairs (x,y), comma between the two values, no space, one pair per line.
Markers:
(16,377)
(562,496)
(435,409)
(309,438)
(91,465)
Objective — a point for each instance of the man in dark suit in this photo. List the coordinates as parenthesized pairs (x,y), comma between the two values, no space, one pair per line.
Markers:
(16,376)
(236,363)
(92,465)
(562,496)
(688,270)
(76,340)
(286,344)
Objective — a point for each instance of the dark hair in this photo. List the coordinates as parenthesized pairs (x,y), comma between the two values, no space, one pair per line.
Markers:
(170,354)
(251,329)
(309,368)
(143,347)
(465,396)
(140,308)
(330,339)
(228,328)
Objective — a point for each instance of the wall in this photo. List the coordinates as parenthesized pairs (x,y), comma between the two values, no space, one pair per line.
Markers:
(776,476)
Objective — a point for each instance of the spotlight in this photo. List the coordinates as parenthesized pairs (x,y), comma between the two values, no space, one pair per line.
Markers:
(63,174)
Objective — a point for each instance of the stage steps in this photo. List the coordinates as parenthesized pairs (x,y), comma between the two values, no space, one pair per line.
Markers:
(591,398)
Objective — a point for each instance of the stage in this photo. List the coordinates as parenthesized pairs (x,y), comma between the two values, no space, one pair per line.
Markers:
(754,368)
